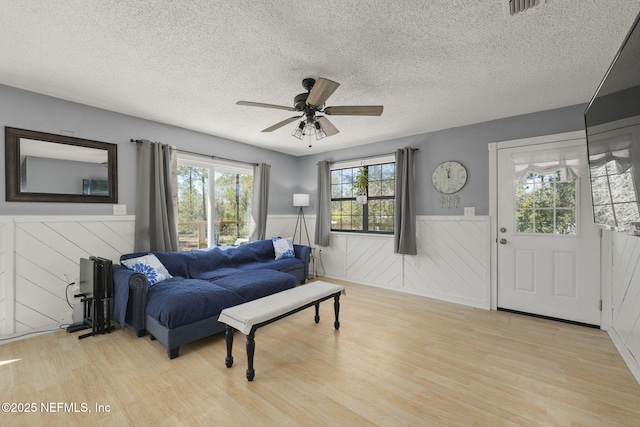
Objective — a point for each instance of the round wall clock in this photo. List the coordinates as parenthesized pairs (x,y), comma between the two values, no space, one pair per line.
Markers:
(449,177)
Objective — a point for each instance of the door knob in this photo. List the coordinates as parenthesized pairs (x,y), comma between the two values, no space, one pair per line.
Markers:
(503,241)
(503,230)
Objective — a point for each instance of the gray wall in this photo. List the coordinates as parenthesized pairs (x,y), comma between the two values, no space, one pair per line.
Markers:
(32,111)
(466,144)
(289,174)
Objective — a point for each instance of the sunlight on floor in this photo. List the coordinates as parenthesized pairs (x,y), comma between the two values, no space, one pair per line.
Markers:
(6,362)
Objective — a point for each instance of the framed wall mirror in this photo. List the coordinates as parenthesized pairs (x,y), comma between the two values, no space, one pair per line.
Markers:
(45,167)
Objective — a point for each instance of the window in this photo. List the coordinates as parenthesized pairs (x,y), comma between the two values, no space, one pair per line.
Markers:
(546,205)
(374,216)
(212,212)
(614,201)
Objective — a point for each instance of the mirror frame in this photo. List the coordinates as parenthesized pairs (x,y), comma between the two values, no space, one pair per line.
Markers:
(12,138)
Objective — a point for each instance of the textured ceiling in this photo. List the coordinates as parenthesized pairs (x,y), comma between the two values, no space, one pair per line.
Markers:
(432,64)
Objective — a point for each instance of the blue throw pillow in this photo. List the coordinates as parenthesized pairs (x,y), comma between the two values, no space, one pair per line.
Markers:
(150,266)
(283,248)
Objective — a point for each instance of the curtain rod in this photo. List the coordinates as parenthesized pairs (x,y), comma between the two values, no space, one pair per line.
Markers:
(204,155)
(369,157)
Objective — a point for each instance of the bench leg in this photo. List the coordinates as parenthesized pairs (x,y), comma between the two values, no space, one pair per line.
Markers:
(317,318)
(336,308)
(251,348)
(228,336)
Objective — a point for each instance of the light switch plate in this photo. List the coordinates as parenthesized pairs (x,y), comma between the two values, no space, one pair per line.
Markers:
(122,209)
(469,211)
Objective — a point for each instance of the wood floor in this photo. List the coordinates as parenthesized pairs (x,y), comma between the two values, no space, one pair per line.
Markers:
(397,360)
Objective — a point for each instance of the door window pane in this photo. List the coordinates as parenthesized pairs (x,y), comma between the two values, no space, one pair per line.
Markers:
(545,205)
(544,221)
(566,221)
(524,221)
(524,195)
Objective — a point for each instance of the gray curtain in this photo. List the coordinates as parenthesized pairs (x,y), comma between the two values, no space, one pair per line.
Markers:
(156,198)
(260,201)
(404,238)
(323,205)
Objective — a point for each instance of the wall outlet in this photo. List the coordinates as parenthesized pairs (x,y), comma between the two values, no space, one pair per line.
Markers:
(119,209)
(470,211)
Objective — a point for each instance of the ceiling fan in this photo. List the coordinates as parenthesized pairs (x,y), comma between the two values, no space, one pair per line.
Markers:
(311,103)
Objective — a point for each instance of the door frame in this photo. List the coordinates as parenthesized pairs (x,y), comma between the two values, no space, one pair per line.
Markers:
(493,214)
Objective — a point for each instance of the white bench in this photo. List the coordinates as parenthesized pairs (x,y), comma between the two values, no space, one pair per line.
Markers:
(252,315)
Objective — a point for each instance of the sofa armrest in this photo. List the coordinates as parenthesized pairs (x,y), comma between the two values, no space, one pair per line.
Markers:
(303,253)
(130,299)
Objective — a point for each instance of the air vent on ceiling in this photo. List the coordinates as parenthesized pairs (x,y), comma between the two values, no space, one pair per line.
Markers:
(518,6)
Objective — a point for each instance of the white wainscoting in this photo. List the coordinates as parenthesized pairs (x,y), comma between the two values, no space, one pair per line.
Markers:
(624,280)
(452,264)
(40,255)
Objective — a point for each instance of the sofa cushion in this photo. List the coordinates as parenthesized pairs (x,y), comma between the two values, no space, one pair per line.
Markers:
(150,266)
(177,302)
(254,284)
(283,248)
(205,260)
(219,273)
(275,264)
(261,250)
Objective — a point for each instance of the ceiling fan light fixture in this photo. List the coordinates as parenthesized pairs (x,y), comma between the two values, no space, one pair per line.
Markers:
(313,101)
(320,133)
(299,131)
(309,128)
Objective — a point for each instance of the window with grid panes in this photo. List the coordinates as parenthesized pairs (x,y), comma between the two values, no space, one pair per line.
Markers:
(614,195)
(375,216)
(546,205)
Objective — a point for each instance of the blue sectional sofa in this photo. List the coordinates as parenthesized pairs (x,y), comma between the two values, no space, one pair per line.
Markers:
(185,307)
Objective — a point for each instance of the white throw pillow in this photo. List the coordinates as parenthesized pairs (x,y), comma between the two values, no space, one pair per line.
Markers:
(283,247)
(150,266)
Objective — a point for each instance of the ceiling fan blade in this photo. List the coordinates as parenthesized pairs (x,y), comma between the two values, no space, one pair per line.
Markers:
(327,126)
(355,110)
(260,104)
(282,123)
(321,91)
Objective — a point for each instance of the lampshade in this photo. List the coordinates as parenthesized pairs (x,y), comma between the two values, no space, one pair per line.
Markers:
(300,200)
(297,132)
(320,133)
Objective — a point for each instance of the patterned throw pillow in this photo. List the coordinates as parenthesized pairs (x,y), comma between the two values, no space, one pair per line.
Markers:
(150,266)
(283,247)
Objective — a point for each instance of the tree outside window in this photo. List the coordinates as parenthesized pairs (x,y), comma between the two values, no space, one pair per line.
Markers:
(202,225)
(546,205)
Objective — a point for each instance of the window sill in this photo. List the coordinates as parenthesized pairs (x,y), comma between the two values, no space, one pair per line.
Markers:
(355,233)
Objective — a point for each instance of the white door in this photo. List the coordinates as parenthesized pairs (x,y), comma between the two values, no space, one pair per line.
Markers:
(548,247)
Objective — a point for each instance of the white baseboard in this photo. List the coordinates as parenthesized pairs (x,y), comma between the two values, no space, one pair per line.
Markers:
(417,292)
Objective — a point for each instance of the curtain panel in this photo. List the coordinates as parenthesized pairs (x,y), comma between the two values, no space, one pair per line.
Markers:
(404,236)
(260,201)
(156,224)
(323,205)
